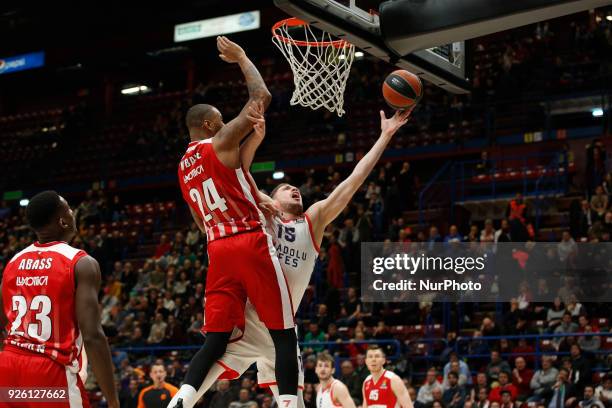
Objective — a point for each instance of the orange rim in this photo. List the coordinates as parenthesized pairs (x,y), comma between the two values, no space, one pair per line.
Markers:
(296,22)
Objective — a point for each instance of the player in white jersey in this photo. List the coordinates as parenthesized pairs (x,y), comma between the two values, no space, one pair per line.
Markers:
(297,234)
(330,391)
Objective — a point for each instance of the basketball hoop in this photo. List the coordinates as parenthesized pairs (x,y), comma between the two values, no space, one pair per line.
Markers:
(320,64)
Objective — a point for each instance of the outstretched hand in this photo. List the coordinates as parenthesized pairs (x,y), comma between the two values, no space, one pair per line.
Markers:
(268,206)
(391,125)
(229,51)
(256,116)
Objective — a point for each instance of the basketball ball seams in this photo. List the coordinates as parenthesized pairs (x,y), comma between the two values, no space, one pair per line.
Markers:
(401,85)
(396,99)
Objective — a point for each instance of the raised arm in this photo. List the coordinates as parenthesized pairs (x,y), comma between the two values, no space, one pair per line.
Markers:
(229,137)
(401,392)
(87,273)
(325,211)
(252,143)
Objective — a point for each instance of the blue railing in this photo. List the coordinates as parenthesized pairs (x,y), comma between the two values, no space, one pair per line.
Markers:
(394,343)
(428,355)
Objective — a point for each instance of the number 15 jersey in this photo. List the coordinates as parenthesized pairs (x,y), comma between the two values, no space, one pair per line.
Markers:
(224,198)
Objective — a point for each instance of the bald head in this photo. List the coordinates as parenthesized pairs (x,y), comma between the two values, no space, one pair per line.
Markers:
(203,117)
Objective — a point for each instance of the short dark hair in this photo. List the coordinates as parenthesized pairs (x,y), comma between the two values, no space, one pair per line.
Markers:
(42,208)
(197,114)
(376,347)
(277,188)
(452,374)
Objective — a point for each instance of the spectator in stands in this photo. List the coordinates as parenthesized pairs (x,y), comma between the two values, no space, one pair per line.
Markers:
(604,391)
(482,399)
(496,366)
(589,343)
(555,314)
(461,378)
(564,392)
(426,391)
(489,328)
(477,345)
(567,248)
(223,395)
(580,374)
(504,385)
(590,400)
(573,306)
(503,234)
(434,237)
(453,235)
(413,397)
(506,400)
(481,384)
(488,233)
(244,400)
(587,218)
(543,380)
(128,397)
(352,381)
(464,369)
(351,310)
(599,202)
(521,378)
(314,335)
(567,325)
(163,247)
(158,330)
(522,347)
(454,395)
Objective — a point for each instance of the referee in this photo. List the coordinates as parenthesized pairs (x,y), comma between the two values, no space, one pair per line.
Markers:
(160,393)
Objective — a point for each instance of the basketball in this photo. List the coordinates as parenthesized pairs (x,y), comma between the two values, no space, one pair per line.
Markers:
(402,89)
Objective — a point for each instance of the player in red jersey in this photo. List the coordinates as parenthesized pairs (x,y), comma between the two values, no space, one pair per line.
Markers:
(49,299)
(224,202)
(382,388)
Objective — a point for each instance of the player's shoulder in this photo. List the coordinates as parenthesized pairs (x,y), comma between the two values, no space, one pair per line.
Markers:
(391,375)
(368,379)
(62,248)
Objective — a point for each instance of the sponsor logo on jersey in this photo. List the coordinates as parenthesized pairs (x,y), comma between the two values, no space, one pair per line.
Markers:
(193,173)
(383,386)
(31,264)
(32,281)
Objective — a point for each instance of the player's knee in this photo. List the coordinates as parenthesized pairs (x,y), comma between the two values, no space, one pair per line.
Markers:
(217,343)
(284,340)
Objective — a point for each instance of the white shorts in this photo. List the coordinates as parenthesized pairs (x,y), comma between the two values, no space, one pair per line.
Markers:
(255,346)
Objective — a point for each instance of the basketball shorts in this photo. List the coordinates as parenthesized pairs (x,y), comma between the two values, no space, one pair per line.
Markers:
(241,266)
(254,347)
(19,371)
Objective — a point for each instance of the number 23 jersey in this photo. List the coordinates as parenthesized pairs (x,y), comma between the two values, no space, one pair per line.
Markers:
(38,292)
(224,198)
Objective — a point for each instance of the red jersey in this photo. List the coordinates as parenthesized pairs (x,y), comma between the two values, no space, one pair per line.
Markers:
(224,198)
(380,394)
(38,292)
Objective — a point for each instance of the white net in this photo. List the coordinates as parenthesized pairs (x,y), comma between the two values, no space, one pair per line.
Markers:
(320,65)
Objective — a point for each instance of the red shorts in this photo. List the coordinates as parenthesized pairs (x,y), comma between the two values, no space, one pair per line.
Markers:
(29,370)
(241,266)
